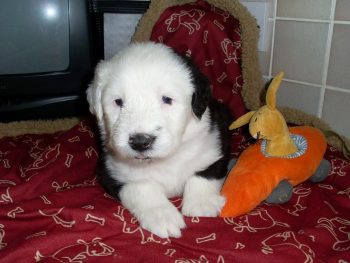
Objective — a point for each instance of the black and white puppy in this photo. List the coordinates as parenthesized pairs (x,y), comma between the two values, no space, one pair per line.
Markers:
(163,136)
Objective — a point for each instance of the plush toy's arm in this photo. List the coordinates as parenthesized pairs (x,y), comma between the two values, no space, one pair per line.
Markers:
(242,120)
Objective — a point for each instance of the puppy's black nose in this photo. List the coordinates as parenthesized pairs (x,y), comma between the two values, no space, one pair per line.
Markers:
(141,141)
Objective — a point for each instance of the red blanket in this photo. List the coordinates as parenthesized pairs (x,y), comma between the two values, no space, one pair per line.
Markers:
(53,210)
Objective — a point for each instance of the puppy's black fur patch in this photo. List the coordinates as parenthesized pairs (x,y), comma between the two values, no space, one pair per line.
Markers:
(202,92)
(219,115)
(110,185)
(221,119)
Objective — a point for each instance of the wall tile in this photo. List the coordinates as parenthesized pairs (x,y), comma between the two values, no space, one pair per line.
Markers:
(299,96)
(310,9)
(299,50)
(265,56)
(336,111)
(264,60)
(271,8)
(342,10)
(118,30)
(339,63)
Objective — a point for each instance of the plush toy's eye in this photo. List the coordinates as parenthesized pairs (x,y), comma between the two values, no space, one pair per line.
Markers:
(167,100)
(255,119)
(119,102)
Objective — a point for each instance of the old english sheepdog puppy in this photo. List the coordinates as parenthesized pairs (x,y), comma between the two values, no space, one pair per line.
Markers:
(162,136)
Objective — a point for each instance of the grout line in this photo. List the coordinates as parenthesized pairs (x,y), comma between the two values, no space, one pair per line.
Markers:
(340,22)
(312,84)
(337,89)
(303,83)
(326,59)
(302,19)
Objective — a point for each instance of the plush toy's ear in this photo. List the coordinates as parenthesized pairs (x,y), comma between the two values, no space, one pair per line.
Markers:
(272,91)
(94,91)
(244,119)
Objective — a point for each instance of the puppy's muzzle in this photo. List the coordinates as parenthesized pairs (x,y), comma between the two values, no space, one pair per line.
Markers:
(141,141)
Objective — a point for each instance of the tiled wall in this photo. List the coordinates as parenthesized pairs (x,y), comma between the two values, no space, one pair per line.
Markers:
(118,30)
(310,41)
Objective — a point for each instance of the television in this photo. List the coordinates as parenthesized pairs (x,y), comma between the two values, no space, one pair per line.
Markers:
(46,58)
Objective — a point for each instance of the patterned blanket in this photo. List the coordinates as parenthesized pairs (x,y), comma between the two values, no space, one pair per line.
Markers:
(53,210)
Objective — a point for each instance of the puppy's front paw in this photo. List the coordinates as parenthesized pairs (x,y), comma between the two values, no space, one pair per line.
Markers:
(208,206)
(164,221)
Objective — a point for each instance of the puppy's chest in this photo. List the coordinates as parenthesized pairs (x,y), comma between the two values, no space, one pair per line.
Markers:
(171,176)
(172,173)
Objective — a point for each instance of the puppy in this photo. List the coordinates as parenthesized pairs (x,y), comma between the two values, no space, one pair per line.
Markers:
(162,136)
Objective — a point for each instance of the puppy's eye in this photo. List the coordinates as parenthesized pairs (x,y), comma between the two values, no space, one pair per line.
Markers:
(167,100)
(119,102)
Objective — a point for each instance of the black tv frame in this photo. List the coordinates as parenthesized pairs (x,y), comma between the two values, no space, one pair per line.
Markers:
(120,6)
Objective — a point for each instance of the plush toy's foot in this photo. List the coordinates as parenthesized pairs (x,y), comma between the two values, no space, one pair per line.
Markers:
(281,194)
(230,165)
(321,172)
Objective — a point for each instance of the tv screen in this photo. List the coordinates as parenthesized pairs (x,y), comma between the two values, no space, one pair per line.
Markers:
(37,41)
(47,58)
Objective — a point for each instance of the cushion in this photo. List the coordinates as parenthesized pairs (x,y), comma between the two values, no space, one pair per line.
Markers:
(212,38)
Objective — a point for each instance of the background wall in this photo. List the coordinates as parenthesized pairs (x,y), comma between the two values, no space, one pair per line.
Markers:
(118,30)
(308,39)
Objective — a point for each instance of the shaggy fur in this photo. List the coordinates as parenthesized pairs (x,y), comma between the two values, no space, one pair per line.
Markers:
(163,136)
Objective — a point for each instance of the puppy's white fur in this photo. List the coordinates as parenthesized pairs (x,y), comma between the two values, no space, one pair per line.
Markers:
(141,77)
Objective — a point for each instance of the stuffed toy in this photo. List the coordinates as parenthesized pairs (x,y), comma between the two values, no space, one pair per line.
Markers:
(282,158)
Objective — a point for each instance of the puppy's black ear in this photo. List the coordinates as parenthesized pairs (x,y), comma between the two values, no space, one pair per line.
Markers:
(202,92)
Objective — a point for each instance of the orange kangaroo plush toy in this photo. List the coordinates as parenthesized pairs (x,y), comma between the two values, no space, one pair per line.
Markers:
(282,158)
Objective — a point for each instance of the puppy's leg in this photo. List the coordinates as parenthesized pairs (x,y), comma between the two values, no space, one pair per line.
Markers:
(202,191)
(147,202)
(202,197)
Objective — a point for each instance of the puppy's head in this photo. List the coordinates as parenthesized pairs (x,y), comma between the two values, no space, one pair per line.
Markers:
(145,99)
